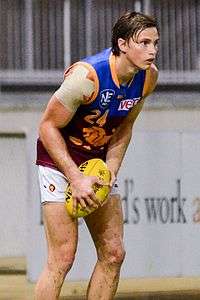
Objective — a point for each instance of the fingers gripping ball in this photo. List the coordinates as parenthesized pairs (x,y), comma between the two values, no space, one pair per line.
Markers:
(92,167)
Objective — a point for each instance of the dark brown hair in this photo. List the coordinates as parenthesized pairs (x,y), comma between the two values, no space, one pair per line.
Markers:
(128,25)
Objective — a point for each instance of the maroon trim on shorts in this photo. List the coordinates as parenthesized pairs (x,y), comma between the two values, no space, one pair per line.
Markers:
(46,164)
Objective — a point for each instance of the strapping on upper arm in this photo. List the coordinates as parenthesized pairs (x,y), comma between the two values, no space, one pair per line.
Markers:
(76,87)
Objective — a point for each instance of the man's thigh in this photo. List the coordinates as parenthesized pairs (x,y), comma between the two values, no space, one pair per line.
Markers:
(106,225)
(60,228)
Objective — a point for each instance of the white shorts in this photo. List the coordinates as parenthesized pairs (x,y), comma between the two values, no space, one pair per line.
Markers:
(53,185)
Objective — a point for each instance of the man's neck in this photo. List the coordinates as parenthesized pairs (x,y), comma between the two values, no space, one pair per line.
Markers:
(125,72)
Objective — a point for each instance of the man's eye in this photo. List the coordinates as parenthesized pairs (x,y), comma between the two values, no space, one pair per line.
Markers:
(145,43)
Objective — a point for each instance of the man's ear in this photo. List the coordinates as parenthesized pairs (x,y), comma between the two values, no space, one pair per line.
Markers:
(122,45)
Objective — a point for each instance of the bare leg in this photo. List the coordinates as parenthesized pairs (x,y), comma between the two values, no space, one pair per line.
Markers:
(61,234)
(106,228)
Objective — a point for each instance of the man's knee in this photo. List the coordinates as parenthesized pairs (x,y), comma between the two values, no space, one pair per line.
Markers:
(61,259)
(114,255)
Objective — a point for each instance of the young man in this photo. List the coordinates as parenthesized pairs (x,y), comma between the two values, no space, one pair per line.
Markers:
(92,115)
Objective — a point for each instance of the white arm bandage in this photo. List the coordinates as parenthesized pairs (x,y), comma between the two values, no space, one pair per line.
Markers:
(75,86)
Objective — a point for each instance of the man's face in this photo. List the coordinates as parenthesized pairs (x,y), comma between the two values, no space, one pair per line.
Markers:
(141,50)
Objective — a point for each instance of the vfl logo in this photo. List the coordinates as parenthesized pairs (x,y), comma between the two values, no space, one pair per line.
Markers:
(128,103)
(106,96)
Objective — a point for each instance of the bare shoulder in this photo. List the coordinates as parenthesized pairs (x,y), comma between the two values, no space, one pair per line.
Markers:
(150,80)
(80,70)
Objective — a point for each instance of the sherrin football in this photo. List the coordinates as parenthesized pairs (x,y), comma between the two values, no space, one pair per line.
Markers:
(92,167)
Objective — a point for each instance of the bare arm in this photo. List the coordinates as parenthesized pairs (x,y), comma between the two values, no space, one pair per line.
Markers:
(120,141)
(57,115)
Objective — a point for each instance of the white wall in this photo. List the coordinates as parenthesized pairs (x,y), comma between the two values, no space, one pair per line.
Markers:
(159,182)
(13,183)
(13,195)
(14,186)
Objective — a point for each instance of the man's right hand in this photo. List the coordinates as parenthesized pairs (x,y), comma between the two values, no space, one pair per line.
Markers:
(82,192)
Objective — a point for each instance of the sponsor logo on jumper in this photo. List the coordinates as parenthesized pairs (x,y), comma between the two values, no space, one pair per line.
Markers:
(128,103)
(106,96)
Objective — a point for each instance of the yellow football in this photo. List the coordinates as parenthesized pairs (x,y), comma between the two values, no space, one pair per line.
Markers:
(92,167)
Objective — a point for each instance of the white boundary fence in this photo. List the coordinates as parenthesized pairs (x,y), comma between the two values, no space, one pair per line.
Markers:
(12,194)
(159,181)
